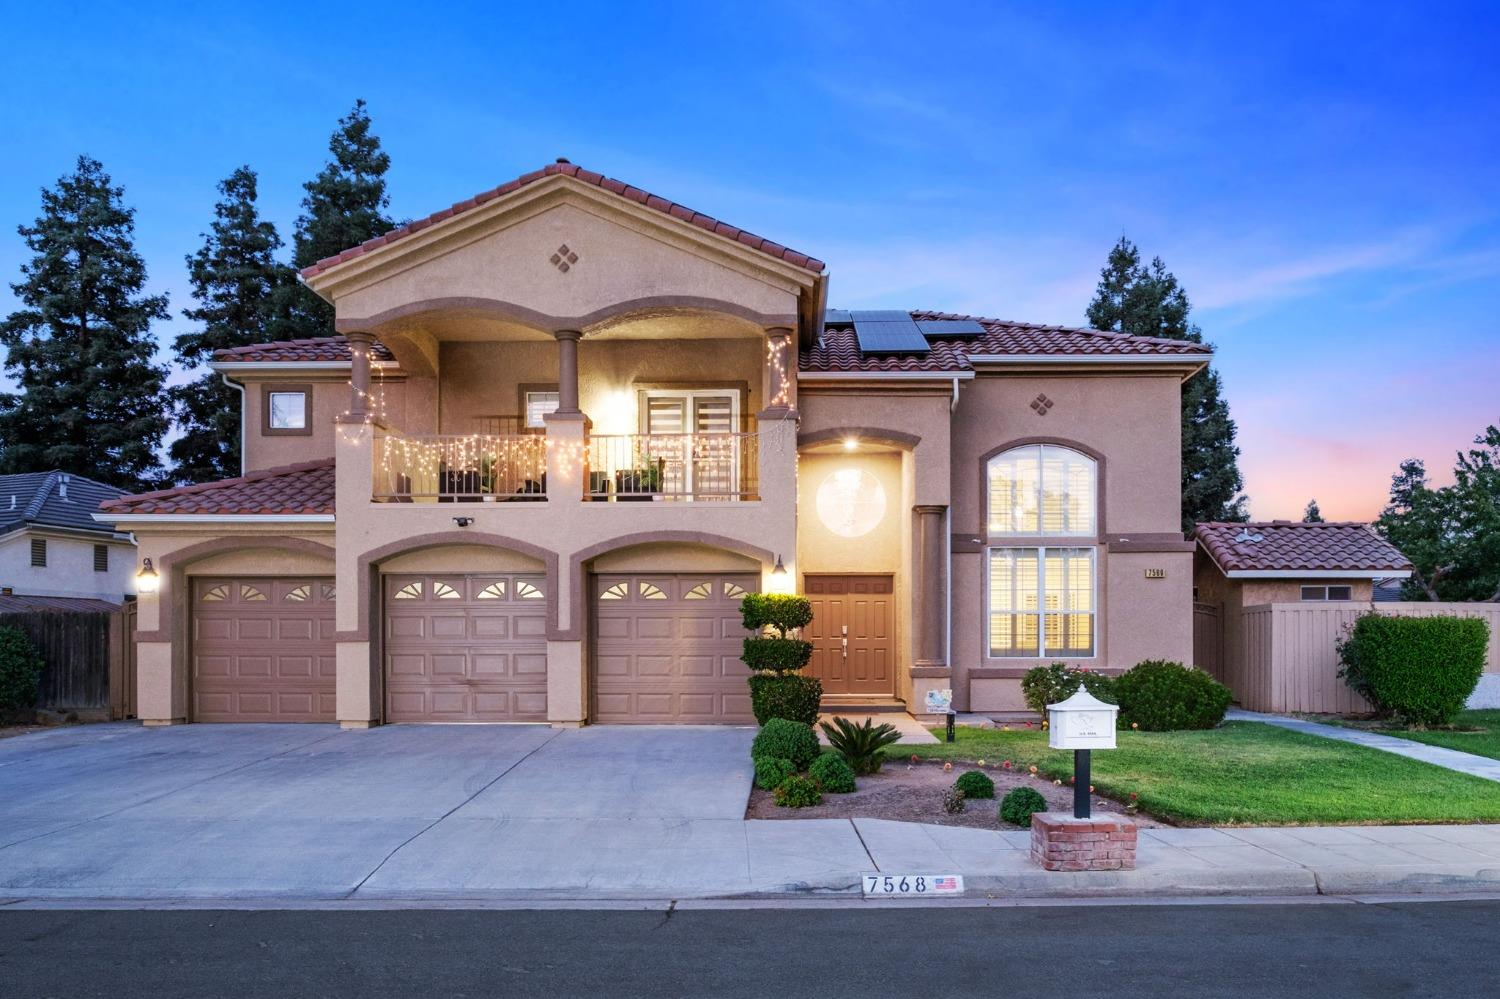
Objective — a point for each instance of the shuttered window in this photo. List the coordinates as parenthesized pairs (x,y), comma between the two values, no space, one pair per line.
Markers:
(39,552)
(1041,602)
(101,558)
(1042,490)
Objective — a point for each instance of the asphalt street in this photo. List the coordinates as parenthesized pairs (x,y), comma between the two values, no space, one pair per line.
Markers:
(1326,950)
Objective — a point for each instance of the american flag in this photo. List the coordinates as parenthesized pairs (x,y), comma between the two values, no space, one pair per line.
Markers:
(945,884)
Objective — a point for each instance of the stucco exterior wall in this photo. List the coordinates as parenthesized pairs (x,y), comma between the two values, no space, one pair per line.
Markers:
(69,571)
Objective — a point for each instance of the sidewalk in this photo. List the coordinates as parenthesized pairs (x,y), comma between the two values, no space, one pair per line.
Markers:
(1450,759)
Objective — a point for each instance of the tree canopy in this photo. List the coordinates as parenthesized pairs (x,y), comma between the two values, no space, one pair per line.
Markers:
(1312,515)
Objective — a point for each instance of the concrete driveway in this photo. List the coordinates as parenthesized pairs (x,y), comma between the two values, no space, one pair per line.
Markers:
(409,810)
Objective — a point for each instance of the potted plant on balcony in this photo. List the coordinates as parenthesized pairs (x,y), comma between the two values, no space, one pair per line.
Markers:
(638,484)
(777,687)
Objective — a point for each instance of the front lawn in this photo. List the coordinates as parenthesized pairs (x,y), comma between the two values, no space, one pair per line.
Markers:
(1245,773)
(1476,732)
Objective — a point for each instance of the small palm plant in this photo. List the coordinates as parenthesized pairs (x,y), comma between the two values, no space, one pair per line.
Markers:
(862,745)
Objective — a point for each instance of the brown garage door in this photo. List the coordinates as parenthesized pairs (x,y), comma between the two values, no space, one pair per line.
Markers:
(667,648)
(465,648)
(263,649)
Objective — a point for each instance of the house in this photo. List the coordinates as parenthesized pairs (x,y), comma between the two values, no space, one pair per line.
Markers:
(568,424)
(52,551)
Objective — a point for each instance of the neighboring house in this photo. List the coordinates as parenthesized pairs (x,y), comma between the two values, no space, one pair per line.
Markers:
(568,424)
(53,551)
(1386,591)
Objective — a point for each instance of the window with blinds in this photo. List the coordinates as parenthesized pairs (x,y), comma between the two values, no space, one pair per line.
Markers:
(1041,602)
(538,405)
(692,434)
(1042,490)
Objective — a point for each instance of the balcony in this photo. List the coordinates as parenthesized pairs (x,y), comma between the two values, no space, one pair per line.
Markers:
(468,468)
(690,467)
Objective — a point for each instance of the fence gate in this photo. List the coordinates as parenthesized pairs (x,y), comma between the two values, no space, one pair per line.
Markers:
(1208,639)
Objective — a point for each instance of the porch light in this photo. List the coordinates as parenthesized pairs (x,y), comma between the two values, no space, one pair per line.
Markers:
(780,569)
(851,443)
(146,580)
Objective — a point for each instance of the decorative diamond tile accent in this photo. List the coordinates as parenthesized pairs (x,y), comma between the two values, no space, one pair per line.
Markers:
(1041,404)
(564,258)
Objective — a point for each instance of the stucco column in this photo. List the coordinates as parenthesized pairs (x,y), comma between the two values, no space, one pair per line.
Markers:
(567,370)
(780,383)
(930,593)
(359,373)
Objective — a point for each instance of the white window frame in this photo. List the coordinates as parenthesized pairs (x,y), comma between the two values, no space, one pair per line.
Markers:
(540,421)
(1325,593)
(1041,556)
(686,462)
(1039,449)
(271,409)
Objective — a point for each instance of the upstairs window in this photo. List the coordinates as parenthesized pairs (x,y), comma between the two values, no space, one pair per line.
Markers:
(1042,490)
(538,405)
(39,552)
(287,410)
(101,558)
(1327,593)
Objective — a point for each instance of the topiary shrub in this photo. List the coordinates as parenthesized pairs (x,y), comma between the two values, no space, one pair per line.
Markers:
(862,746)
(975,784)
(770,771)
(786,740)
(780,611)
(798,792)
(1046,685)
(954,800)
(1161,696)
(832,774)
(776,655)
(1020,805)
(20,670)
(1420,669)
(791,696)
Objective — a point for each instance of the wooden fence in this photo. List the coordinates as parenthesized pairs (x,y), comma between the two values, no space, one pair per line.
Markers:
(88,657)
(1208,639)
(1287,660)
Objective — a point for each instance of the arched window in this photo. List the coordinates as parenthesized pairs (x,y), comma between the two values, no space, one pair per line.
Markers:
(1040,490)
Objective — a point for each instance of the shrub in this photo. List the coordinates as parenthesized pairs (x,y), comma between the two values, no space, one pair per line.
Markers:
(954,800)
(791,696)
(780,611)
(1020,805)
(975,784)
(776,655)
(832,774)
(1161,696)
(20,670)
(770,771)
(1420,669)
(798,792)
(862,745)
(1046,685)
(786,740)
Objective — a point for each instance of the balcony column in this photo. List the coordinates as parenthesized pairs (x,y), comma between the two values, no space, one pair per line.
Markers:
(567,427)
(780,382)
(359,374)
(930,592)
(567,370)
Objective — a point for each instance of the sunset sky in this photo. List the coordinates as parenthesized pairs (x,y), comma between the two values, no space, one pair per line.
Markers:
(1325,185)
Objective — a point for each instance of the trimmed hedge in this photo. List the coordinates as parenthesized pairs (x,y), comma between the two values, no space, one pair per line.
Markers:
(975,784)
(1161,696)
(1420,669)
(781,611)
(832,774)
(776,655)
(20,670)
(1020,805)
(1046,685)
(770,771)
(798,792)
(787,740)
(791,696)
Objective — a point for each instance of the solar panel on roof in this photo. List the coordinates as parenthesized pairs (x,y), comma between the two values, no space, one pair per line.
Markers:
(950,327)
(888,331)
(837,317)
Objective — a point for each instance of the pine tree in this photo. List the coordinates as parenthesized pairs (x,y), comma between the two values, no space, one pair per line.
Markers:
(236,281)
(1146,300)
(344,206)
(1312,515)
(80,348)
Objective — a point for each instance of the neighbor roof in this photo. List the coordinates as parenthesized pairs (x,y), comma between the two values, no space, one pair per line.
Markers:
(1284,547)
(307,488)
(52,499)
(838,349)
(566,169)
(323,348)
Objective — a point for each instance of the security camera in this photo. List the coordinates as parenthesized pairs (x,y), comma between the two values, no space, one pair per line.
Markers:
(463,521)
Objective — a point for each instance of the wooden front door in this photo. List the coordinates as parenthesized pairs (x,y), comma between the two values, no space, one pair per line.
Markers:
(853,648)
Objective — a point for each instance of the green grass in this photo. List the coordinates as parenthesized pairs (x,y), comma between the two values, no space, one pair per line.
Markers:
(1245,773)
(1483,740)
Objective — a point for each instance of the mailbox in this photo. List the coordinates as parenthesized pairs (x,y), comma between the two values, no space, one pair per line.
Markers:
(1081,722)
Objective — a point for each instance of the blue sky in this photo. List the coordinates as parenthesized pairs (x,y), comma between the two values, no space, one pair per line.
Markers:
(1324,182)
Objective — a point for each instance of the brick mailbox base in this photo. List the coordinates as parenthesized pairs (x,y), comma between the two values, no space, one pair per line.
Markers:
(1059,842)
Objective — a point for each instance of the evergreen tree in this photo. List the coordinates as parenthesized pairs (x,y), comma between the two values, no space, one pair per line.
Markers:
(1312,515)
(1146,300)
(236,281)
(80,348)
(344,206)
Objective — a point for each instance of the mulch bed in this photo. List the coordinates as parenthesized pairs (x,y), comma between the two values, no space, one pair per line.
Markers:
(913,792)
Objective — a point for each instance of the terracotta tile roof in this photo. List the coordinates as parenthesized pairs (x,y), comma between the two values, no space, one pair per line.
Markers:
(304,488)
(838,350)
(564,168)
(323,348)
(1286,546)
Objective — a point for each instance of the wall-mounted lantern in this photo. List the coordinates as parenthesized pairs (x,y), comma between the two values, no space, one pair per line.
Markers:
(1081,723)
(146,580)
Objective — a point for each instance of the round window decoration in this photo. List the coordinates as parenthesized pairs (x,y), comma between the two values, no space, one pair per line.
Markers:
(851,502)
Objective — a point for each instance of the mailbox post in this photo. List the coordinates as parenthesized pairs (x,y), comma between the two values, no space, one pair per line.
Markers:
(1081,723)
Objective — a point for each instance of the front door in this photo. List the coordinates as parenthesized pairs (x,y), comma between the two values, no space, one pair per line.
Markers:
(853,649)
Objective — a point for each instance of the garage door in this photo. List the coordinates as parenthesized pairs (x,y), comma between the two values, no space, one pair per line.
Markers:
(263,649)
(465,648)
(667,649)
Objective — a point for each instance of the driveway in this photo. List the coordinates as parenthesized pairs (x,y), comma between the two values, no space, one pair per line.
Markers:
(311,811)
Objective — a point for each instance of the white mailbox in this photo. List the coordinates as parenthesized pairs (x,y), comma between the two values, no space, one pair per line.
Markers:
(1081,722)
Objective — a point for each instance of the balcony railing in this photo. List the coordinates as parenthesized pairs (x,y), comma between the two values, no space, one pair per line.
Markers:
(473,468)
(645,467)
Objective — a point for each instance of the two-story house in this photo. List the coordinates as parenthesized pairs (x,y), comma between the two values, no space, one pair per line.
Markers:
(53,553)
(568,424)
